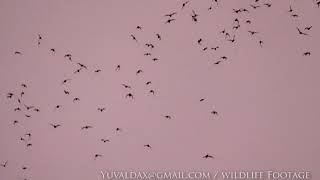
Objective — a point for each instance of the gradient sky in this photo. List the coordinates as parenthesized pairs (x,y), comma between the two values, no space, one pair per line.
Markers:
(267,98)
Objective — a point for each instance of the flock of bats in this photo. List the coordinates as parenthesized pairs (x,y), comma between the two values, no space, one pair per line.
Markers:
(229,34)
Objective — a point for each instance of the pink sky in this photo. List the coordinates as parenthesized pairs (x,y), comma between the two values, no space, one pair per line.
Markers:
(267,98)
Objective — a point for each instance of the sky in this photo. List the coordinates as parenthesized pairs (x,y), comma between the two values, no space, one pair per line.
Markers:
(266,96)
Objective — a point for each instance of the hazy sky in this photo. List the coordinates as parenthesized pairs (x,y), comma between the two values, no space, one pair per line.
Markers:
(267,98)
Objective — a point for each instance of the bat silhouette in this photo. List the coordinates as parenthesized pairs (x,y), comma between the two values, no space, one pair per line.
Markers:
(184,4)
(148,83)
(28,107)
(301,33)
(254,7)
(158,36)
(236,27)
(147,146)
(227,35)
(244,10)
(134,38)
(233,39)
(194,16)
(4,164)
(126,86)
(236,11)
(9,95)
(82,66)
(101,109)
(308,28)
(151,92)
(260,43)
(66,92)
(18,53)
(236,20)
(215,48)
(86,127)
(29,145)
(105,140)
(169,21)
(223,57)
(39,37)
(149,45)
(118,68)
(65,81)
(77,71)
(76,99)
(69,56)
(207,156)
(139,71)
(307,53)
(129,95)
(252,32)
(214,112)
(55,125)
(170,14)
(267,4)
(96,156)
